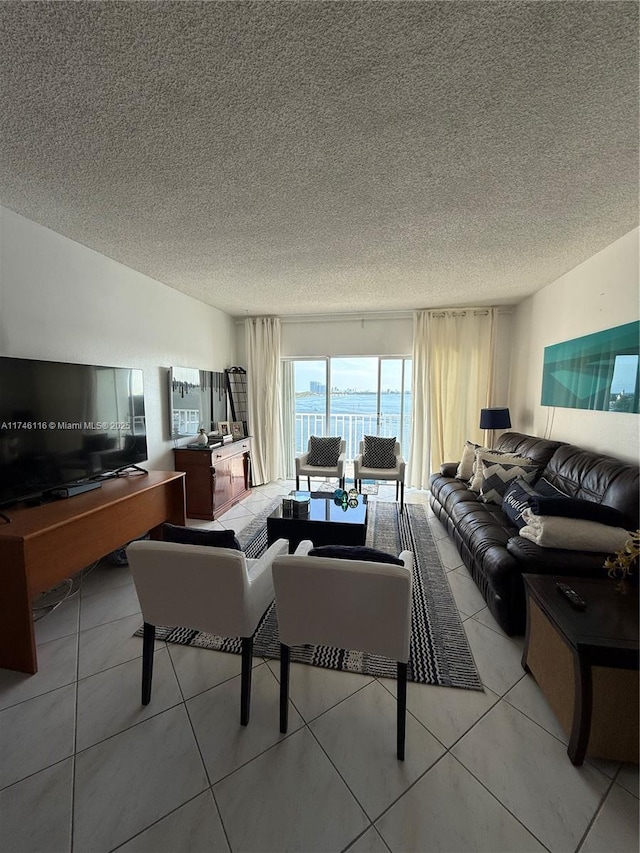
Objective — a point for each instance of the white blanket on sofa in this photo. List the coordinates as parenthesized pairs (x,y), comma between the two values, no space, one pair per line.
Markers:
(572,534)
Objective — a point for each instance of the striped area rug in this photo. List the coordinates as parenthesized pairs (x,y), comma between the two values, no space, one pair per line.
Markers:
(440,653)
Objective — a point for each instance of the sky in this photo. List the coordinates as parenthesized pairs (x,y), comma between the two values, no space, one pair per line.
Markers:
(358,373)
(625,374)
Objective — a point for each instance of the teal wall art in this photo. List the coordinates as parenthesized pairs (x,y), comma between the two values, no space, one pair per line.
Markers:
(598,371)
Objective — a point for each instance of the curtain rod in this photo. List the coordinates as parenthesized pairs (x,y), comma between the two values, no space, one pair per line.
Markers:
(373,315)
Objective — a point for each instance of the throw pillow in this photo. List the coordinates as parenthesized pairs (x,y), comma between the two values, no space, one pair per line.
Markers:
(498,475)
(465,468)
(578,508)
(355,552)
(379,452)
(516,499)
(572,534)
(324,451)
(492,456)
(194,536)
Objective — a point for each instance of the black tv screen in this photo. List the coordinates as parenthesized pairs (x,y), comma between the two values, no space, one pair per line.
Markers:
(66,423)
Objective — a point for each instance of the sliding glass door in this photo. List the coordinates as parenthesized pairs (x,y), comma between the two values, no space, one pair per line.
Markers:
(354,400)
(347,396)
(395,400)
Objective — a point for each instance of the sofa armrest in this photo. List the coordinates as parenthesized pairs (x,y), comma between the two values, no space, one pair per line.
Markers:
(532,559)
(448,469)
(357,464)
(301,460)
(257,565)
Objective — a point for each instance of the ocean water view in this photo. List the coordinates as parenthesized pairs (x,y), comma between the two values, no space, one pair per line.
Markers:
(353,415)
(362,402)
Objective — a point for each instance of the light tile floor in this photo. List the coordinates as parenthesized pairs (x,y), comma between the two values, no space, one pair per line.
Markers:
(84,768)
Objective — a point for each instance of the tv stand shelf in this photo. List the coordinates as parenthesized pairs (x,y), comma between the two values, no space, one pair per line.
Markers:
(42,545)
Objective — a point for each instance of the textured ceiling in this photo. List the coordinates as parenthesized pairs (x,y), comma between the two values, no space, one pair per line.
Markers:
(317,157)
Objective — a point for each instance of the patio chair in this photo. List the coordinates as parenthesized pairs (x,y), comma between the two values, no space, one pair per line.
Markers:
(380,459)
(325,457)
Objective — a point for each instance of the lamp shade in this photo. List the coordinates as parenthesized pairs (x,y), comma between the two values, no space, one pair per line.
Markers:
(494,419)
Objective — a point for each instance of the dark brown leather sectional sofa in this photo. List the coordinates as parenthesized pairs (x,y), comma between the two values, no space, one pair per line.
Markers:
(490,546)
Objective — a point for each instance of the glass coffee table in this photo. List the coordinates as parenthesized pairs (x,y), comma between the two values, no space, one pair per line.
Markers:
(326,523)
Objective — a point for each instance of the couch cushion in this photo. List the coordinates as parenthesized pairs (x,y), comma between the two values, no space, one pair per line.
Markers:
(195,536)
(324,451)
(355,552)
(539,450)
(595,477)
(547,489)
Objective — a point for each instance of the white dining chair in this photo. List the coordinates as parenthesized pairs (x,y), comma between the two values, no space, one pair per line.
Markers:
(217,590)
(348,604)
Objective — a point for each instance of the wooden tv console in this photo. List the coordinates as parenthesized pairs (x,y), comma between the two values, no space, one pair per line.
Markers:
(42,545)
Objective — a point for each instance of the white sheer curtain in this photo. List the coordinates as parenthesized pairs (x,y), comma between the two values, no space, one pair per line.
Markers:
(289,418)
(453,353)
(264,393)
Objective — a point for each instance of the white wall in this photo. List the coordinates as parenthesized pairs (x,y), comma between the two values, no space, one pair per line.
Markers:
(598,294)
(61,301)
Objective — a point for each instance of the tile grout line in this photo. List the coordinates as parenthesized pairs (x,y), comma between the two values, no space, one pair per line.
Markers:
(75,722)
(596,813)
(504,805)
(208,789)
(364,832)
(499,801)
(344,781)
(373,821)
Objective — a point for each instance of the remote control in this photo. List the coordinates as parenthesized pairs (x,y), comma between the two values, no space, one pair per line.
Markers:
(571,595)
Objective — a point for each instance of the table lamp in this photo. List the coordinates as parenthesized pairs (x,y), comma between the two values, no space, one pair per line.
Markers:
(493,419)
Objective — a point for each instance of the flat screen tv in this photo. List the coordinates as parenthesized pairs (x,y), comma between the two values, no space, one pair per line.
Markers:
(198,400)
(63,424)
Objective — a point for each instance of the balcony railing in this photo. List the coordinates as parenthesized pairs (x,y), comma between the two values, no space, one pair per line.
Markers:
(352,428)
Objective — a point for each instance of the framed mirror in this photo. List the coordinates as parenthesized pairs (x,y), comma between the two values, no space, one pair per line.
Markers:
(198,400)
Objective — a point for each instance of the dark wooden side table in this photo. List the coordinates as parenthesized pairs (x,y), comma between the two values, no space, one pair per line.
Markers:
(586,663)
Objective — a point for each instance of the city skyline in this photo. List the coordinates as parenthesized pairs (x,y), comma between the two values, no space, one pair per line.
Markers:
(357,375)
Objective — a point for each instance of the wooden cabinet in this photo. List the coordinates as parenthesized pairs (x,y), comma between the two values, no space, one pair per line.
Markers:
(586,663)
(217,478)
